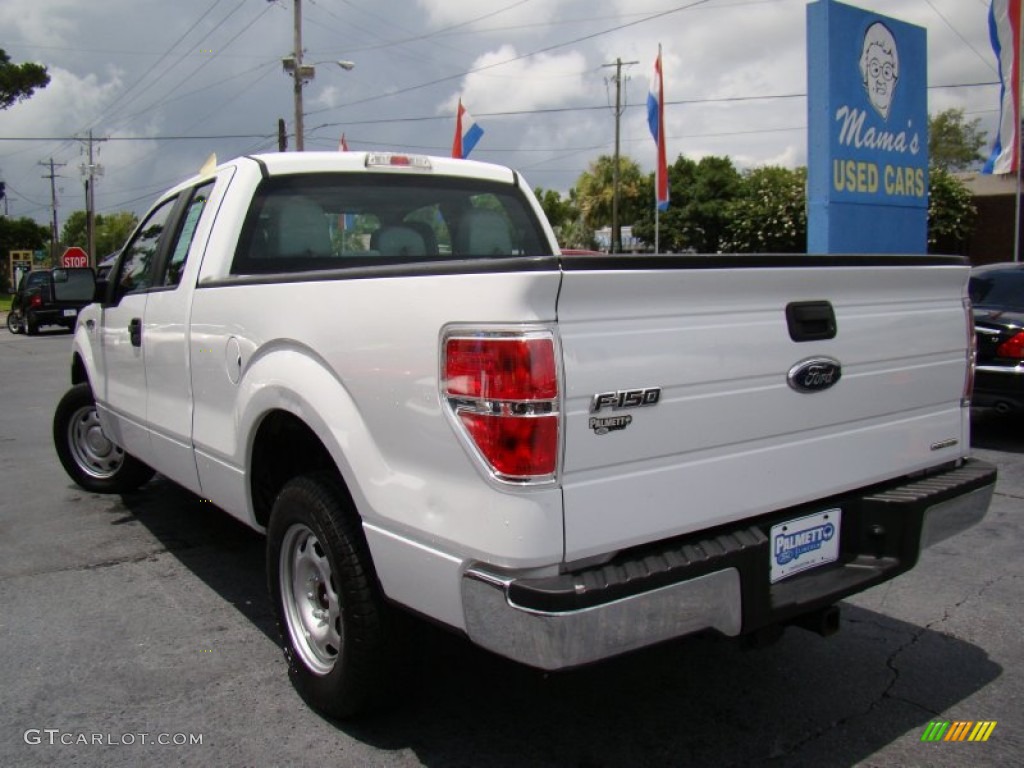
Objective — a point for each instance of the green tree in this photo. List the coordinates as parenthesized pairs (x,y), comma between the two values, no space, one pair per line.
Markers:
(558,211)
(955,144)
(18,235)
(697,215)
(770,213)
(951,213)
(19,81)
(595,191)
(112,230)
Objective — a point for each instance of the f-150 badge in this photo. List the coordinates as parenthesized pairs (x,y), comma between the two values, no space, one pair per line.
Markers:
(625,398)
(617,401)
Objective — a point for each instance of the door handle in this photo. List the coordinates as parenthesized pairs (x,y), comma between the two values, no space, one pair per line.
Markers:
(135,331)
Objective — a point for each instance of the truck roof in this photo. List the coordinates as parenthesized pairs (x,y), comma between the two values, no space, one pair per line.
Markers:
(283,163)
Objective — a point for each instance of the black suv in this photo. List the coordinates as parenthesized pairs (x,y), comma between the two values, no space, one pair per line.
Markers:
(50,297)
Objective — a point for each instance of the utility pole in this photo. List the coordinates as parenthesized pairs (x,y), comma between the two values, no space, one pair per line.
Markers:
(616,244)
(90,170)
(297,73)
(53,176)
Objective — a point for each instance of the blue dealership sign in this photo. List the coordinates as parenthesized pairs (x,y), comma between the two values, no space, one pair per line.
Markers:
(867,175)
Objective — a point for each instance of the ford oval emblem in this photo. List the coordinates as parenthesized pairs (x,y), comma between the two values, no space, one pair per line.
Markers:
(815,375)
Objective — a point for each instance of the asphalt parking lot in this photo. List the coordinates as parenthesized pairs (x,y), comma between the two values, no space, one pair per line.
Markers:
(136,630)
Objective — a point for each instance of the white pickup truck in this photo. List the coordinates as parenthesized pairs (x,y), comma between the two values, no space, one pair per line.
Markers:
(384,362)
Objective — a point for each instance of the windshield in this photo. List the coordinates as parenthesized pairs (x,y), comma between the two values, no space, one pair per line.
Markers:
(999,288)
(338,220)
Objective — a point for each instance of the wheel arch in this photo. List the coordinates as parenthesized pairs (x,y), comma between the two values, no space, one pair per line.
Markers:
(283,447)
(79,374)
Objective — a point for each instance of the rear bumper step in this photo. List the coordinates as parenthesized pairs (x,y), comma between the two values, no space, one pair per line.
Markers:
(720,579)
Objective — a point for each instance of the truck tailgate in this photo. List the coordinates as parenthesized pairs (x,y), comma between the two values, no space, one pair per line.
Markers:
(728,437)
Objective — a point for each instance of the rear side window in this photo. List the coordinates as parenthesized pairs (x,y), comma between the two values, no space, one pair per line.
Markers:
(331,221)
(176,263)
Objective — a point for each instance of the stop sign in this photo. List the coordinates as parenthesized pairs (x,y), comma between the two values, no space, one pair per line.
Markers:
(74,257)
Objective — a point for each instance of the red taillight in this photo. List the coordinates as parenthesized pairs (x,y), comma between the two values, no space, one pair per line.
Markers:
(501,368)
(503,390)
(35,302)
(515,446)
(1012,348)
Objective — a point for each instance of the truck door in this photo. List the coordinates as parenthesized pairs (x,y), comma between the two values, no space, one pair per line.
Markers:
(165,336)
(121,391)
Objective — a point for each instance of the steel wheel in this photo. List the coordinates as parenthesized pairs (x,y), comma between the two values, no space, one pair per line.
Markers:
(92,450)
(13,323)
(309,594)
(89,457)
(336,626)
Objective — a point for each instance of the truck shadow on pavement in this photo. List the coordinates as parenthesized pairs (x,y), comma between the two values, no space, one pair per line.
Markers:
(700,701)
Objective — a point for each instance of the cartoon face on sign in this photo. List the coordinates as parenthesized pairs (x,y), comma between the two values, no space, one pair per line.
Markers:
(880,67)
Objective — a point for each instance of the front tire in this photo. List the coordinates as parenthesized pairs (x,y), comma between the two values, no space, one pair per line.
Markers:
(87,455)
(331,614)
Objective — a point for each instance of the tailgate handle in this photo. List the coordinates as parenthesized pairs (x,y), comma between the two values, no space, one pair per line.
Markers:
(811,320)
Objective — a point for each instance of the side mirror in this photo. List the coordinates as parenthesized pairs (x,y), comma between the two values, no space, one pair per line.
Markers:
(60,275)
(102,289)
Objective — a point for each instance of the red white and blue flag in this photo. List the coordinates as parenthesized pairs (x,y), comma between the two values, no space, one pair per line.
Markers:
(1004,24)
(656,121)
(467,133)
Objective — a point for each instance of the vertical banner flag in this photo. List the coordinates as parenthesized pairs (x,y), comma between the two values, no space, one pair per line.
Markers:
(467,133)
(342,144)
(1004,29)
(656,121)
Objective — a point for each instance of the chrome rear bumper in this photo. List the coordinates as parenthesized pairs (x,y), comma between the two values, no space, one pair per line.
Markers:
(717,581)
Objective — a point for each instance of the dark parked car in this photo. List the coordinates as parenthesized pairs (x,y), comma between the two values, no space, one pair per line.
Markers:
(997,293)
(50,297)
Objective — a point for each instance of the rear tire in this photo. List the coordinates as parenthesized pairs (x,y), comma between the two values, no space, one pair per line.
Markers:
(14,324)
(87,455)
(330,611)
(31,324)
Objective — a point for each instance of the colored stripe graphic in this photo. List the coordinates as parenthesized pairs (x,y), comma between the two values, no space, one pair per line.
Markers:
(959,730)
(982,731)
(935,731)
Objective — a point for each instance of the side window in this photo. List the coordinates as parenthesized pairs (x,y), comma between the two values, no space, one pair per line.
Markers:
(139,259)
(176,263)
(35,280)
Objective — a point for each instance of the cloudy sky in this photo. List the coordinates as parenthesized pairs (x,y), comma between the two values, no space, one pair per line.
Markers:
(167,83)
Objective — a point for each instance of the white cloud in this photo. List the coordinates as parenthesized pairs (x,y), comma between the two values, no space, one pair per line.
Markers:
(445,13)
(545,80)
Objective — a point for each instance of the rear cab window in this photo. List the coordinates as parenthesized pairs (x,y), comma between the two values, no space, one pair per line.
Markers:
(321,221)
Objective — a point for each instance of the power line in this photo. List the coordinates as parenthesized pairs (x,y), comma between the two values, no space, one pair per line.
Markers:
(985,59)
(427,118)
(146,74)
(206,62)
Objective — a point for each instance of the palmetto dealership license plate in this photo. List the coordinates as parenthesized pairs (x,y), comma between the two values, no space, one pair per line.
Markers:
(804,543)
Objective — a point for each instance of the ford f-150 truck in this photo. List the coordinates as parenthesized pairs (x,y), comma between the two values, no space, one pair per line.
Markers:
(384,362)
